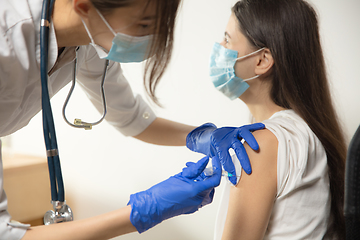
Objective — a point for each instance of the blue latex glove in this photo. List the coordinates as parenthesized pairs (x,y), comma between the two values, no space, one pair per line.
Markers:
(198,140)
(211,141)
(183,193)
(230,137)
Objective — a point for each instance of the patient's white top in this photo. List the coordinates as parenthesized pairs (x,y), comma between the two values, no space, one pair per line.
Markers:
(302,204)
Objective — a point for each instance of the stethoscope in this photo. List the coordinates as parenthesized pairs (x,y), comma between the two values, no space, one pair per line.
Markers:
(62,212)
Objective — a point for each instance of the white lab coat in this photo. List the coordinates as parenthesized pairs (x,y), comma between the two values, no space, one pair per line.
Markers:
(20,89)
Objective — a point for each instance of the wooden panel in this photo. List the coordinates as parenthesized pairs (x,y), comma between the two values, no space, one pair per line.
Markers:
(35,222)
(27,186)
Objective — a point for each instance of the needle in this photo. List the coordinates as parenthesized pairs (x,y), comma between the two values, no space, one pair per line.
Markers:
(226,174)
(209,171)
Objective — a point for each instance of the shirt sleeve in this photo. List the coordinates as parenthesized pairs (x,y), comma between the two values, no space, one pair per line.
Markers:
(127,113)
(8,230)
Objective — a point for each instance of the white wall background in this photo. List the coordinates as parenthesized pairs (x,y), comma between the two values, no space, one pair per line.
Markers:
(102,168)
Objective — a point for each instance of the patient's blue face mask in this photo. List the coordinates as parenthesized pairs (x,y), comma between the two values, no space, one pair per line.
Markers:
(222,72)
(125,48)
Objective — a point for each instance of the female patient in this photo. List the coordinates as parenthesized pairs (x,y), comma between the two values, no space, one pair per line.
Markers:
(297,185)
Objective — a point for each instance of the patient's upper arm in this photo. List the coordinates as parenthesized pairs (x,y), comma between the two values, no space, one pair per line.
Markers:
(251,201)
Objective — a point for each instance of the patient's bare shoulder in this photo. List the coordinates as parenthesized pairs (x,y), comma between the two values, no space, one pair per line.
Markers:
(266,156)
(251,200)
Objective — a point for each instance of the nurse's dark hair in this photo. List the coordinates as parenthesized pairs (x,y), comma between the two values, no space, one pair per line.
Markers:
(161,48)
(289,29)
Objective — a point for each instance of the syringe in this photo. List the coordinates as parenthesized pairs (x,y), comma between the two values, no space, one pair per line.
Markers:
(209,171)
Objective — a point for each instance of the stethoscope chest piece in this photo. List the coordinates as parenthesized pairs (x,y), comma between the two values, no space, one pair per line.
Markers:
(62,213)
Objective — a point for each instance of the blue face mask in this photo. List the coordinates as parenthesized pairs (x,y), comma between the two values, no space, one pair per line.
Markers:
(125,48)
(222,72)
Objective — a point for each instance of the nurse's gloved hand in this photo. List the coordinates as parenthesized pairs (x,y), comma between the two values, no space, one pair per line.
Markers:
(198,140)
(211,141)
(183,193)
(230,137)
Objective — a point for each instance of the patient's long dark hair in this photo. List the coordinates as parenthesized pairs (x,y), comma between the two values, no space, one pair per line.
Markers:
(289,28)
(161,49)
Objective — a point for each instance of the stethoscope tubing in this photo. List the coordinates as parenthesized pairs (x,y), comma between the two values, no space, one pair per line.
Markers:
(83,124)
(56,180)
(55,174)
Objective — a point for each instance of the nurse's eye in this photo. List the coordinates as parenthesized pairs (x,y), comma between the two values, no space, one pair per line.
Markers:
(146,27)
(145,24)
(226,40)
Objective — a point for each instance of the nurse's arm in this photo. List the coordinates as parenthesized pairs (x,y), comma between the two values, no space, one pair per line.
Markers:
(105,226)
(165,132)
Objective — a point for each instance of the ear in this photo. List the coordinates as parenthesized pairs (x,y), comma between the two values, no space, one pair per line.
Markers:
(82,8)
(265,62)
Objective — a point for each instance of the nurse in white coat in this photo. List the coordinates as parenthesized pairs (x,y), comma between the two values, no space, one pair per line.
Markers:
(76,24)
